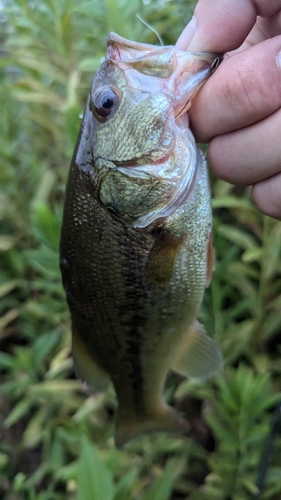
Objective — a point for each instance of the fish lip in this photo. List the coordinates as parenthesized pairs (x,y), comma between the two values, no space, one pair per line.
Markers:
(134,164)
(145,221)
(213,59)
(210,57)
(113,38)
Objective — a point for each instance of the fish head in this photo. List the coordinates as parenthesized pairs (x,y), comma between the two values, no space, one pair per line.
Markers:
(135,110)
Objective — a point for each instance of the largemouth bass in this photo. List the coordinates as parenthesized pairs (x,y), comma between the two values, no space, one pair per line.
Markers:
(136,241)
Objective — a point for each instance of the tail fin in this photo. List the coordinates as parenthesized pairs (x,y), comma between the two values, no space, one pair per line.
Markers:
(164,419)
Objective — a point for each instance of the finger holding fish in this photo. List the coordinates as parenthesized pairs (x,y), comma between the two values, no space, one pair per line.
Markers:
(223,25)
(243,91)
(233,111)
(243,126)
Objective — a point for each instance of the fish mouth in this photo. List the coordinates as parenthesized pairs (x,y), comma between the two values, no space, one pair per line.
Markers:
(187,87)
(176,73)
(142,162)
(183,188)
(177,169)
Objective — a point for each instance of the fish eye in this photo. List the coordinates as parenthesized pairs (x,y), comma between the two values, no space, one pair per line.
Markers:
(105,102)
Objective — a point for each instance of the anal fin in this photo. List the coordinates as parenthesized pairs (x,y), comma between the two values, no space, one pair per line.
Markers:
(199,356)
(87,368)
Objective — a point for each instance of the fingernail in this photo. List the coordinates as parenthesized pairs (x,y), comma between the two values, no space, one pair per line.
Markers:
(187,35)
(278,60)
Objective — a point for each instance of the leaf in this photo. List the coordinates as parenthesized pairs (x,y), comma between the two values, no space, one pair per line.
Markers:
(232,202)
(241,238)
(46,225)
(162,488)
(6,361)
(7,242)
(9,286)
(42,347)
(54,388)
(125,484)
(252,255)
(7,318)
(33,433)
(18,412)
(91,63)
(94,480)
(4,460)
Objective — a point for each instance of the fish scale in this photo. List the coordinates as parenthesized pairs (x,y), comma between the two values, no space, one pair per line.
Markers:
(135,270)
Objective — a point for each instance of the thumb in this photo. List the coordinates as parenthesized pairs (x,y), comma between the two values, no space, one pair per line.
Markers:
(222,25)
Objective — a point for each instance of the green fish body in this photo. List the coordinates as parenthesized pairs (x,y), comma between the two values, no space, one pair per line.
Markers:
(136,245)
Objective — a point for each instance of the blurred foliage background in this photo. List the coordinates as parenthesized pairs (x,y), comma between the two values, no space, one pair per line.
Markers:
(56,434)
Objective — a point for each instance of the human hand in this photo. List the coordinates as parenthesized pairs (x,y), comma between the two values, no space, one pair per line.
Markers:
(239,109)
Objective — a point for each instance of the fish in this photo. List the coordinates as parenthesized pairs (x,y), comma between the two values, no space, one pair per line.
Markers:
(136,249)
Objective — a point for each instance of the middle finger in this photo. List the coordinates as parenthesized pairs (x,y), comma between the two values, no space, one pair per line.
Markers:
(248,155)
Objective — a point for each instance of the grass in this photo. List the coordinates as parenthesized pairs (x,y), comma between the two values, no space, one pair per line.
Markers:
(56,434)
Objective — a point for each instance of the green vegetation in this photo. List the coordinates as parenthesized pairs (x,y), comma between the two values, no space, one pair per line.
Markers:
(56,434)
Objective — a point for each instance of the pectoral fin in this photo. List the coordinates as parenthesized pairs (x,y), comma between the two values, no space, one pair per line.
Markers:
(87,369)
(160,263)
(199,355)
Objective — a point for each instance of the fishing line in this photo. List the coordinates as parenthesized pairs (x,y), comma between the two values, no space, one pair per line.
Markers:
(150,28)
(276,422)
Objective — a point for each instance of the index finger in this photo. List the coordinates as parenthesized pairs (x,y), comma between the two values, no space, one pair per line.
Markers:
(245,89)
(222,25)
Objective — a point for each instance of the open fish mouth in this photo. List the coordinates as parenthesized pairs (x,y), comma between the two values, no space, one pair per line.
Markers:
(179,73)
